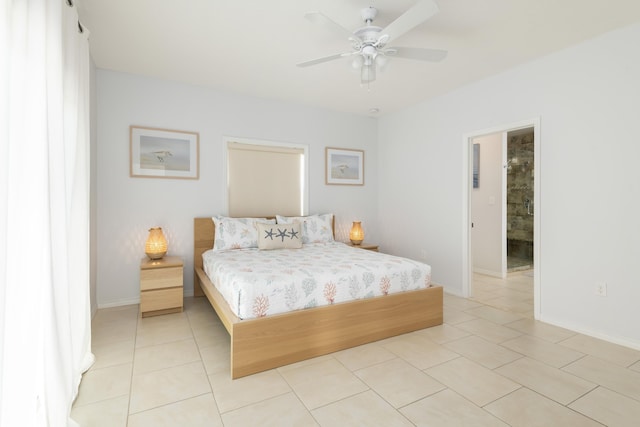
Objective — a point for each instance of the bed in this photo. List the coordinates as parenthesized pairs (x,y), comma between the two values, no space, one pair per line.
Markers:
(262,343)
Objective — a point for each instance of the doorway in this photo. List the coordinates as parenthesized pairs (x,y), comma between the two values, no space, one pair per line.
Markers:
(520,182)
(519,223)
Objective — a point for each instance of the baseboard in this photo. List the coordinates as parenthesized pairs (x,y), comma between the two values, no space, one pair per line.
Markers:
(491,273)
(131,301)
(119,303)
(594,334)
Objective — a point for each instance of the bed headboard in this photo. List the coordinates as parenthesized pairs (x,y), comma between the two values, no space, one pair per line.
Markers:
(204,232)
(203,236)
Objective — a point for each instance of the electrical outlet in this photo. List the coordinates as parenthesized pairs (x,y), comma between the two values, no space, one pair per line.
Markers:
(601,289)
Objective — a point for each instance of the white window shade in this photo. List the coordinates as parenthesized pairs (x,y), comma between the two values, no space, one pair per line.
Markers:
(264,180)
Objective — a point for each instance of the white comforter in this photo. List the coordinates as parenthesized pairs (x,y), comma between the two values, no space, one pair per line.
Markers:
(257,283)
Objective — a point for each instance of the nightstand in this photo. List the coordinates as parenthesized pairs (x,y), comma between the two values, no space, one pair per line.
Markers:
(161,286)
(366,246)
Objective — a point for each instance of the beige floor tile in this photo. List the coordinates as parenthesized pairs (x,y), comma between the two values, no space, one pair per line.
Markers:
(486,353)
(107,413)
(453,317)
(635,367)
(116,353)
(609,408)
(157,388)
(613,353)
(363,356)
(473,381)
(481,295)
(364,409)
(163,329)
(525,408)
(155,357)
(443,333)
(518,305)
(297,365)
(205,321)
(217,358)
(398,382)
(208,336)
(449,409)
(233,394)
(515,293)
(322,383)
(201,315)
(111,332)
(420,351)
(199,411)
(459,303)
(494,315)
(541,330)
(607,374)
(213,339)
(280,411)
(489,330)
(116,314)
(547,352)
(553,383)
(105,383)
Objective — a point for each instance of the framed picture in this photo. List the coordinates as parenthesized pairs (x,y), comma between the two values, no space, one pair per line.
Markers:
(344,166)
(163,153)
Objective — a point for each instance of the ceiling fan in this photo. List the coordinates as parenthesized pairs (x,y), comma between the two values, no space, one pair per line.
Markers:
(369,43)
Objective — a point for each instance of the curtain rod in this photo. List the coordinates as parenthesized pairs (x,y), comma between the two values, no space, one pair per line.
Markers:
(80,27)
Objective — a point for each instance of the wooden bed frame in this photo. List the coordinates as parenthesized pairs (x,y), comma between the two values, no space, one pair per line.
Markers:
(277,340)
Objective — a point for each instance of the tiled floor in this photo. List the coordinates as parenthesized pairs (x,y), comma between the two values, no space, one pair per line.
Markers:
(513,294)
(483,367)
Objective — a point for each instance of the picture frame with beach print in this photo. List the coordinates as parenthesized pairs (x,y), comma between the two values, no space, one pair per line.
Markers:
(344,166)
(164,153)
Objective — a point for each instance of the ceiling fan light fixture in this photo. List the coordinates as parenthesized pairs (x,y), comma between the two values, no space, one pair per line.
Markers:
(368,73)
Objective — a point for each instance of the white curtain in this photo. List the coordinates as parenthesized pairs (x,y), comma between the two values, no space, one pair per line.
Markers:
(44,217)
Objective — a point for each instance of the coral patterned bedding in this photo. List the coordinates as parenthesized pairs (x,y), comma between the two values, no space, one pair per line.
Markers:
(257,283)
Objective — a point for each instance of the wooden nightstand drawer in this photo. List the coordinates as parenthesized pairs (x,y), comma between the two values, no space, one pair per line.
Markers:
(160,278)
(161,283)
(162,299)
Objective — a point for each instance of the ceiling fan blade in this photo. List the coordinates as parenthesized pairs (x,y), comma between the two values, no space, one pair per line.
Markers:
(421,54)
(419,13)
(330,24)
(324,59)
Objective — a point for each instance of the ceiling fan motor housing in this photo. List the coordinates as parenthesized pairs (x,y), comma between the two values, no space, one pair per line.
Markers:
(369,33)
(369,14)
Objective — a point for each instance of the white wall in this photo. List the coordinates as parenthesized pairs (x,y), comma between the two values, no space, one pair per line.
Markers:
(127,207)
(487,238)
(587,99)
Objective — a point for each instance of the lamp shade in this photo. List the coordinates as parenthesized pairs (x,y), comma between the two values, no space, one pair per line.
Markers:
(156,246)
(368,73)
(356,235)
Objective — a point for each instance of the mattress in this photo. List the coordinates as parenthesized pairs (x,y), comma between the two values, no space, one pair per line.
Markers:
(257,283)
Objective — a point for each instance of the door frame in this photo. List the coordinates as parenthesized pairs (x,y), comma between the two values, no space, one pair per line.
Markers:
(467,187)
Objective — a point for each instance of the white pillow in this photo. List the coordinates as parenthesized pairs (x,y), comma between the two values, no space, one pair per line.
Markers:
(315,228)
(279,236)
(236,233)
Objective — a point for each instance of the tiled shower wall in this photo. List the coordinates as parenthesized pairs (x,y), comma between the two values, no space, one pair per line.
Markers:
(520,189)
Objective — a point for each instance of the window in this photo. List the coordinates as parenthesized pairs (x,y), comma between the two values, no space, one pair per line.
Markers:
(266,178)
